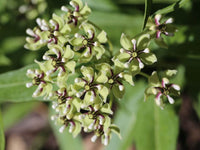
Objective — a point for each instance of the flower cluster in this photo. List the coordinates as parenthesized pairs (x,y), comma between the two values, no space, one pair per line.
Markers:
(80,75)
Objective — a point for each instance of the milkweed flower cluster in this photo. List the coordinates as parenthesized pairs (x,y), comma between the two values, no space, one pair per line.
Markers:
(80,75)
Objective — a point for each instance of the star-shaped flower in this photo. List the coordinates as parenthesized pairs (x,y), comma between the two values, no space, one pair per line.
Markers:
(162,90)
(134,53)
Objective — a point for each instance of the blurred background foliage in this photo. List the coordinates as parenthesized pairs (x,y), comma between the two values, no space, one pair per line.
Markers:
(143,125)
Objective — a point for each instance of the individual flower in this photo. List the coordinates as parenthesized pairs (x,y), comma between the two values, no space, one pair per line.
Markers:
(57,29)
(73,124)
(92,118)
(134,53)
(37,38)
(113,78)
(89,43)
(58,58)
(79,14)
(88,89)
(105,133)
(162,90)
(159,27)
(164,27)
(40,80)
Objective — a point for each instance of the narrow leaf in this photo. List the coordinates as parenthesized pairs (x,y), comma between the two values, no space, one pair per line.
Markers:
(2,137)
(148,5)
(155,129)
(172,7)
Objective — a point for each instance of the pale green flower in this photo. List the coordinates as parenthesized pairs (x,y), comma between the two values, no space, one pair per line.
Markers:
(40,80)
(113,78)
(88,89)
(162,89)
(134,54)
(79,14)
(58,58)
(89,43)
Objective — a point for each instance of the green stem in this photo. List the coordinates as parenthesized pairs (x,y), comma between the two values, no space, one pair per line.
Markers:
(144,75)
(111,100)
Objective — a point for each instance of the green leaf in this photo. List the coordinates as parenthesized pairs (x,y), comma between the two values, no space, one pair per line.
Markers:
(4,61)
(126,116)
(15,112)
(148,4)
(172,7)
(155,128)
(13,86)
(65,139)
(2,137)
